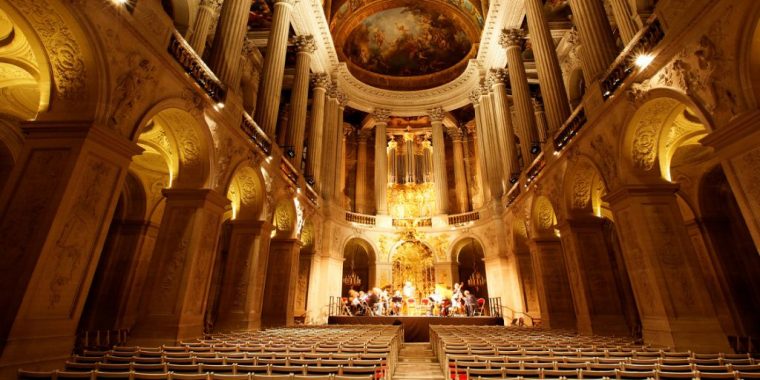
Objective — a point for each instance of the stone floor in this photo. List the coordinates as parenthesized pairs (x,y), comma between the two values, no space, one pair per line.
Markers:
(416,362)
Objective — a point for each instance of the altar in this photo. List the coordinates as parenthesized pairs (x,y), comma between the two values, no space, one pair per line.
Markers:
(416,328)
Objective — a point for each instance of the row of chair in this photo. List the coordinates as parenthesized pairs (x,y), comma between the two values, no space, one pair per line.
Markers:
(132,375)
(377,370)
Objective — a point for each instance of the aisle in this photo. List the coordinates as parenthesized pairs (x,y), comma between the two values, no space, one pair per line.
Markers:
(416,362)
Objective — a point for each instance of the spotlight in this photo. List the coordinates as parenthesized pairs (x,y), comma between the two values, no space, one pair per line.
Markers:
(219,106)
(643,60)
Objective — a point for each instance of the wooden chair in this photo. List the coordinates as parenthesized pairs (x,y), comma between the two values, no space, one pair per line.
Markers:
(35,375)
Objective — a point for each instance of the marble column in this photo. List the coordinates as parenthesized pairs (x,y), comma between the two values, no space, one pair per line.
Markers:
(320,82)
(491,144)
(626,24)
(55,212)
(543,130)
(268,101)
(550,80)
(241,304)
(174,301)
(669,288)
(251,75)
(505,130)
(552,285)
(381,116)
(330,145)
(299,97)
(436,116)
(207,12)
(599,49)
(281,283)
(598,302)
(228,42)
(340,155)
(481,153)
(460,176)
(511,40)
(362,204)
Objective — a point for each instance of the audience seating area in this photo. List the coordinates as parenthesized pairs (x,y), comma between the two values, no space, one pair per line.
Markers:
(467,352)
(302,353)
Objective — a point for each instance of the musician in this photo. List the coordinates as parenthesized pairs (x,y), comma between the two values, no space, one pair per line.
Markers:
(457,299)
(470,302)
(397,301)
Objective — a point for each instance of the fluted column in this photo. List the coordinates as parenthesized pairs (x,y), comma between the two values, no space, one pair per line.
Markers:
(547,64)
(228,42)
(207,12)
(505,130)
(327,184)
(340,157)
(382,116)
(481,153)
(274,67)
(460,178)
(511,40)
(439,161)
(538,111)
(361,172)
(599,48)
(314,159)
(299,97)
(626,24)
(495,155)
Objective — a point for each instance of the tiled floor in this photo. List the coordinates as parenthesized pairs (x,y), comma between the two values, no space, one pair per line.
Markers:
(416,362)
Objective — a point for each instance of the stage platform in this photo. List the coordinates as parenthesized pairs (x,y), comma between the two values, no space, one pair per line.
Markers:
(416,329)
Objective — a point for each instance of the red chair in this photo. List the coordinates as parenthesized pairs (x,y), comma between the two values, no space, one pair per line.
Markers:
(481,310)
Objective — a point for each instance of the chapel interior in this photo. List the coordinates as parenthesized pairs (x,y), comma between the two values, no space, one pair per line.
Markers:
(199,189)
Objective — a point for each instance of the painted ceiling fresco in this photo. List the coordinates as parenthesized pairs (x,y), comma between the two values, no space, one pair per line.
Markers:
(409,40)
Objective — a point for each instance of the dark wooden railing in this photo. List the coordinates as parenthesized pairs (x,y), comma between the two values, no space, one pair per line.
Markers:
(566,133)
(623,66)
(512,195)
(535,169)
(196,68)
(257,136)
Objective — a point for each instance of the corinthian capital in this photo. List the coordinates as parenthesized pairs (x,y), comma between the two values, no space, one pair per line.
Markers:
(436,114)
(215,5)
(342,99)
(320,80)
(455,133)
(511,38)
(382,115)
(305,43)
(475,97)
(498,76)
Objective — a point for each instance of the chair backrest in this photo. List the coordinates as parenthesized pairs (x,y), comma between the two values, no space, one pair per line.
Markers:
(35,375)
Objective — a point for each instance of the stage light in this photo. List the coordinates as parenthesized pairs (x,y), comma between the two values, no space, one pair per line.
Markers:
(643,60)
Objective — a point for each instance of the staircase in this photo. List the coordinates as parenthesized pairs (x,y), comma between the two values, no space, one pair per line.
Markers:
(416,362)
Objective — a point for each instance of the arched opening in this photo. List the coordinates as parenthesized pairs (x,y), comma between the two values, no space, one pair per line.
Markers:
(182,12)
(412,263)
(529,292)
(358,262)
(734,258)
(472,268)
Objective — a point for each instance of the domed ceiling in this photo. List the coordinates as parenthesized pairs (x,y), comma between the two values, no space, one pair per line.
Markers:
(406,44)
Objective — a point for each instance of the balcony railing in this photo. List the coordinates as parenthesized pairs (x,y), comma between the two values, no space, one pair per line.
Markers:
(311,194)
(196,68)
(368,220)
(512,195)
(464,218)
(257,136)
(412,222)
(290,172)
(535,169)
(574,124)
(623,66)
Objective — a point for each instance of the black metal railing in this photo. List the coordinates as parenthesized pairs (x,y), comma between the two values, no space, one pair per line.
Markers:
(535,168)
(512,195)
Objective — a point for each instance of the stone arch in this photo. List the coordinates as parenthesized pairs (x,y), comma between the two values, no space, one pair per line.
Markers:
(246,192)
(181,136)
(470,258)
(749,64)
(461,242)
(70,64)
(543,218)
(584,187)
(665,122)
(285,219)
(358,250)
